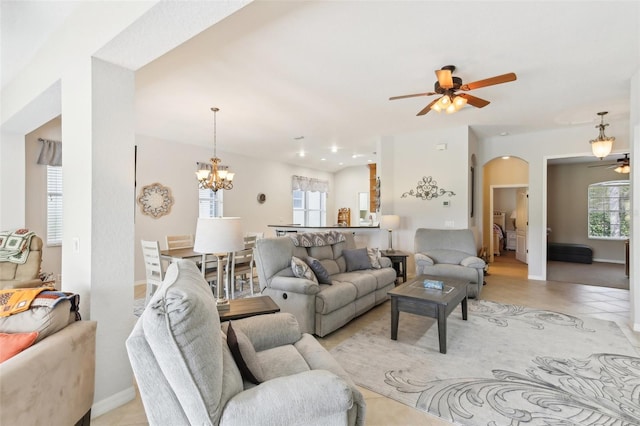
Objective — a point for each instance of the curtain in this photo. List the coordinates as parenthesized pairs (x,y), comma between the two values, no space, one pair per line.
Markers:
(51,153)
(203,166)
(302,183)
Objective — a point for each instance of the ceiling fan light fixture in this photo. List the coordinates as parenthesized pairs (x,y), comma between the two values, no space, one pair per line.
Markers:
(622,169)
(459,102)
(601,147)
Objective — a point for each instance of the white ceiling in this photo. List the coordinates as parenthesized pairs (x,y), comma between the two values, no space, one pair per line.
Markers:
(324,70)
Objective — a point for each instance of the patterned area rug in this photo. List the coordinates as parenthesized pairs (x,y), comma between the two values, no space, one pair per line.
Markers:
(506,365)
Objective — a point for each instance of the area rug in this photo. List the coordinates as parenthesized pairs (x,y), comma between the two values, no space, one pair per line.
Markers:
(506,365)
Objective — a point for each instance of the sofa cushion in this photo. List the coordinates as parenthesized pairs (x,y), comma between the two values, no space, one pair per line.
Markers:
(335,297)
(319,270)
(374,257)
(446,256)
(356,259)
(13,343)
(473,262)
(281,361)
(244,355)
(43,319)
(181,323)
(302,270)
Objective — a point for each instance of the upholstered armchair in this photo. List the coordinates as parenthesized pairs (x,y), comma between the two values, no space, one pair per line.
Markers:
(449,253)
(16,275)
(190,370)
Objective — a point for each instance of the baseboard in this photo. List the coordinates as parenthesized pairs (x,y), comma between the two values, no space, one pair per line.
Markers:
(113,402)
(536,277)
(620,262)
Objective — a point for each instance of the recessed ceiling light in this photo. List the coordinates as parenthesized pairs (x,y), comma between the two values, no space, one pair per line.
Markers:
(334,149)
(504,133)
(301,153)
(340,164)
(323,159)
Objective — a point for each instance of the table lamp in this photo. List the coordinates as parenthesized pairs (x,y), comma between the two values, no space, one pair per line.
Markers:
(219,236)
(390,222)
(513,218)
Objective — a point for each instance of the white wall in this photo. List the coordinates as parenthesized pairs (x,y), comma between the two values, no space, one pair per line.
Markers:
(414,156)
(36,196)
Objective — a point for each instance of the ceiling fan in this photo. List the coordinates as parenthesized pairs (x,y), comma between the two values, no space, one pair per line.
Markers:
(622,165)
(447,85)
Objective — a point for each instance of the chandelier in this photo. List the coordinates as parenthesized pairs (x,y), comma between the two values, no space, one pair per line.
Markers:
(601,147)
(219,177)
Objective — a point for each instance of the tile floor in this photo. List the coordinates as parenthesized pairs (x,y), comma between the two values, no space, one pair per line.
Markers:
(506,283)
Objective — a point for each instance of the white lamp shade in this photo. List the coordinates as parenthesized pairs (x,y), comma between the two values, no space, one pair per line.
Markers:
(513,215)
(390,221)
(219,235)
(601,148)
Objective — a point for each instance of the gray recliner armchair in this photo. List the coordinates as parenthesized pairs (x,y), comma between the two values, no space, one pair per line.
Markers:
(187,372)
(449,253)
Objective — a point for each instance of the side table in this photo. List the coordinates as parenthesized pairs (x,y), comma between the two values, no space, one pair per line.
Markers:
(399,262)
(248,307)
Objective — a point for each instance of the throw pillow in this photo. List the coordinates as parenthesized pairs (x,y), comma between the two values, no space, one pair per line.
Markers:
(320,271)
(302,270)
(13,343)
(374,257)
(356,259)
(244,354)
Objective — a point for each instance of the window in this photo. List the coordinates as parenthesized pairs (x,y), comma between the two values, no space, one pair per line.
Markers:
(609,210)
(309,208)
(54,205)
(209,203)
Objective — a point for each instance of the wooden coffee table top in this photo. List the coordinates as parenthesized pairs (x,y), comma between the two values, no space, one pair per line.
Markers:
(248,307)
(414,290)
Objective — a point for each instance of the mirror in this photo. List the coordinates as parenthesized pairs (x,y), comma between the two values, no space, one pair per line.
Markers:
(363,208)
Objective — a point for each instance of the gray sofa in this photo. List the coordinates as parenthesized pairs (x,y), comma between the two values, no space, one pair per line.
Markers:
(320,308)
(188,373)
(449,253)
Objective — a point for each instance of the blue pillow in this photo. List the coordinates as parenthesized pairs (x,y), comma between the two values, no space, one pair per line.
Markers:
(321,272)
(356,259)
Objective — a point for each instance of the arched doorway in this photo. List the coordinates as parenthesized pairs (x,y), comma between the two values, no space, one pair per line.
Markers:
(505,208)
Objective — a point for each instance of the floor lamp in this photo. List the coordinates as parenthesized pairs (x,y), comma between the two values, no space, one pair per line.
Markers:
(220,236)
(390,222)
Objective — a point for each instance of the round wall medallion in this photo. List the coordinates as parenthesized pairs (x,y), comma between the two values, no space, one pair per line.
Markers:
(155,200)
(262,198)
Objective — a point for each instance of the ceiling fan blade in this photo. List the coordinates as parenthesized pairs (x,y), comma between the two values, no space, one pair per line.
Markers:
(444,78)
(474,101)
(426,109)
(504,78)
(412,96)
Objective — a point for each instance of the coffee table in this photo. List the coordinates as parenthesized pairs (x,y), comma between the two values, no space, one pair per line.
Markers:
(413,298)
(248,307)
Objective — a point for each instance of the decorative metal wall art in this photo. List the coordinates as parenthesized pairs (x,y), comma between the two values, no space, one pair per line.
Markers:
(155,200)
(427,189)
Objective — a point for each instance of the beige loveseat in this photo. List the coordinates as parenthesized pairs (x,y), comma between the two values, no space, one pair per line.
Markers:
(52,381)
(15,275)
(320,308)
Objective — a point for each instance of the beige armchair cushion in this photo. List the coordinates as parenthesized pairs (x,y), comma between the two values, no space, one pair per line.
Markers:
(13,275)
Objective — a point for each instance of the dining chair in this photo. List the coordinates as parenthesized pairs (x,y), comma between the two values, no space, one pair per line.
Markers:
(243,265)
(153,267)
(179,241)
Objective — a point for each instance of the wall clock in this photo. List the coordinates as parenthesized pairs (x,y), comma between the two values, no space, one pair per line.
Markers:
(262,198)
(155,200)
